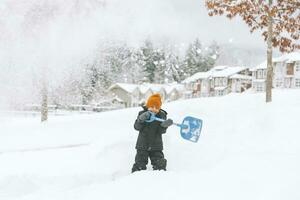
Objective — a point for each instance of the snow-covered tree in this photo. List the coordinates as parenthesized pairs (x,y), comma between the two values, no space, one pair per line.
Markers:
(134,72)
(160,66)
(212,53)
(199,59)
(147,62)
(174,72)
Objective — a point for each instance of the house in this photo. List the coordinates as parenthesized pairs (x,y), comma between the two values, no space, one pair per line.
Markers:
(198,84)
(218,81)
(146,91)
(259,75)
(174,91)
(224,78)
(286,70)
(128,93)
(108,104)
(240,82)
(134,95)
(158,88)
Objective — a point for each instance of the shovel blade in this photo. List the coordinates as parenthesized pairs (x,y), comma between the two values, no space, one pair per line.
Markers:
(191,128)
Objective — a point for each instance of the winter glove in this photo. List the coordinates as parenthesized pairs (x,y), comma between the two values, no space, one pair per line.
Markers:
(167,123)
(144,116)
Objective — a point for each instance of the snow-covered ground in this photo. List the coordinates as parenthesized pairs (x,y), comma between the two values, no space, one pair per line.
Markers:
(247,150)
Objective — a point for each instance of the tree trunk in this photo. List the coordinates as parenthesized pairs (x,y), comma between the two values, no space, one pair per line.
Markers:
(269,81)
(44,107)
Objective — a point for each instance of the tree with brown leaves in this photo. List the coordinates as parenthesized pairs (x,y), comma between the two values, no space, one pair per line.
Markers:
(279,21)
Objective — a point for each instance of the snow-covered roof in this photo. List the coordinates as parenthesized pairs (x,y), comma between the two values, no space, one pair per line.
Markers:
(125,86)
(240,76)
(156,87)
(262,65)
(227,71)
(288,58)
(218,71)
(219,68)
(144,88)
(170,87)
(197,76)
(147,86)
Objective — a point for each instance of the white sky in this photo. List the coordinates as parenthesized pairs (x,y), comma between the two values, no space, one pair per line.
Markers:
(73,27)
(179,20)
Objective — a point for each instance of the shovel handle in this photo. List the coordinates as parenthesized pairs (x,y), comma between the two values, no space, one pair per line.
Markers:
(183,126)
(152,118)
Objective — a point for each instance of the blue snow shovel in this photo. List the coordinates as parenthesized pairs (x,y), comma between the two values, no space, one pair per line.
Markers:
(190,128)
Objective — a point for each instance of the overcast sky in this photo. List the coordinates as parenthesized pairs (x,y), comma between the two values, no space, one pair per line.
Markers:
(130,20)
(179,20)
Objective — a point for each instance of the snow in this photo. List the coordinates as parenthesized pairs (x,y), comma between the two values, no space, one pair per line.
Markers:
(220,88)
(146,87)
(262,65)
(287,58)
(174,87)
(248,150)
(130,88)
(240,76)
(259,80)
(217,71)
(228,71)
(198,76)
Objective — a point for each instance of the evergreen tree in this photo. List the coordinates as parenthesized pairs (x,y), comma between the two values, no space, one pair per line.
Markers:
(160,66)
(174,73)
(211,55)
(134,72)
(199,59)
(194,61)
(147,61)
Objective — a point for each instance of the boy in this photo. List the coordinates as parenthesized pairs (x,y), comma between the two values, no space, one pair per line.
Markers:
(149,142)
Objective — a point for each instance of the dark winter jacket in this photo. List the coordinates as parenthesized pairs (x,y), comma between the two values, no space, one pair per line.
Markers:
(150,133)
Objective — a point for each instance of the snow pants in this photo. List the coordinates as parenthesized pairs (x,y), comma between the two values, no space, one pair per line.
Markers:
(158,161)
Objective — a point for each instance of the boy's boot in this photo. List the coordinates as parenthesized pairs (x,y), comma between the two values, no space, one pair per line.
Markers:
(137,167)
(160,164)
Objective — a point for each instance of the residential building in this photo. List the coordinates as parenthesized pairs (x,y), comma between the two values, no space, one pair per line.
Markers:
(286,73)
(133,95)
(218,81)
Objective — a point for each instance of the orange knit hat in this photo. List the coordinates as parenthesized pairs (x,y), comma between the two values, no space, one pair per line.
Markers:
(154,100)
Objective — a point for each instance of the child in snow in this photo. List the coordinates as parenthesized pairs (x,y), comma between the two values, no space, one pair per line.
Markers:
(149,142)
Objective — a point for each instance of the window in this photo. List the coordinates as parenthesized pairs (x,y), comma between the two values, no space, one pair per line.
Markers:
(265,73)
(259,74)
(217,82)
(289,69)
(297,66)
(297,83)
(224,81)
(259,88)
(220,93)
